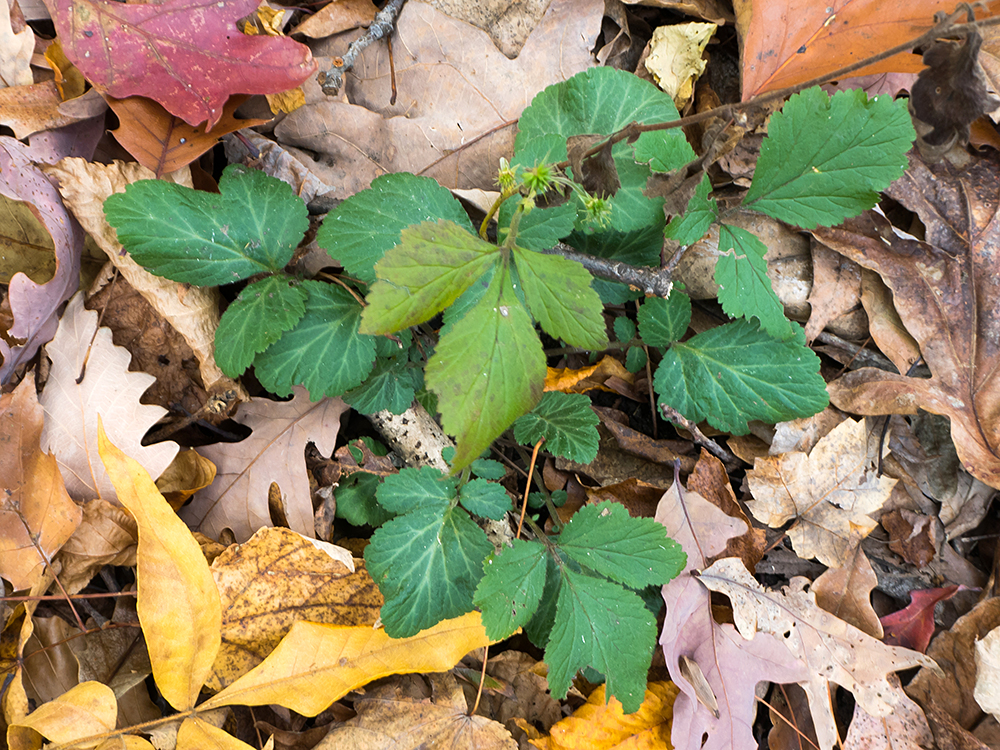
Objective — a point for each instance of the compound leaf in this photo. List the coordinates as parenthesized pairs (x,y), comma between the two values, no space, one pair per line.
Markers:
(324,351)
(736,372)
(567,423)
(429,269)
(427,564)
(511,589)
(488,370)
(252,225)
(826,159)
(359,231)
(255,320)
(486,499)
(633,551)
(664,321)
(558,294)
(744,287)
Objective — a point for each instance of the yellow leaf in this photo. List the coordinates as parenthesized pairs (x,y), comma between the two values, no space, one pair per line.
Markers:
(126,742)
(315,665)
(178,603)
(88,709)
(599,726)
(196,734)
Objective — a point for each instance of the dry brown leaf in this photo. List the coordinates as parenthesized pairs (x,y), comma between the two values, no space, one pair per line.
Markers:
(884,325)
(454,87)
(337,16)
(273,580)
(107,536)
(833,650)
(107,390)
(836,288)
(944,290)
(37,516)
(237,499)
(987,691)
(529,698)
(828,493)
(846,592)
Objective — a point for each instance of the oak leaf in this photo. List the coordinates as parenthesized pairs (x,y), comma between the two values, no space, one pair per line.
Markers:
(846,592)
(107,390)
(275,452)
(944,291)
(186,54)
(828,493)
(832,650)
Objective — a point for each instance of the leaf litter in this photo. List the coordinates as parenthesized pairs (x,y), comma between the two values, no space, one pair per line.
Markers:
(281,618)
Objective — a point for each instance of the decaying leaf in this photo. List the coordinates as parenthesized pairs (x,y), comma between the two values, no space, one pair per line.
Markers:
(846,592)
(829,493)
(833,650)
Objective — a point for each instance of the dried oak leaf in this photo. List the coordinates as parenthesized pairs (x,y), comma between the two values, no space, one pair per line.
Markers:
(186,54)
(945,291)
(828,494)
(846,592)
(832,650)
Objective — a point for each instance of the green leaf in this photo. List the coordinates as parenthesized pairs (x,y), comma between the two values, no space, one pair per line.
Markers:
(485,468)
(633,551)
(362,228)
(488,370)
(511,589)
(540,229)
(252,225)
(430,267)
(558,294)
(391,387)
(486,499)
(664,321)
(744,287)
(601,625)
(635,359)
(735,373)
(701,212)
(826,159)
(664,150)
(603,100)
(416,489)
(255,320)
(624,329)
(356,502)
(567,423)
(324,351)
(427,564)
(639,248)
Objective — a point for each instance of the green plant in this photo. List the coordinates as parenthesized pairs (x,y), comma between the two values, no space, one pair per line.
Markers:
(410,253)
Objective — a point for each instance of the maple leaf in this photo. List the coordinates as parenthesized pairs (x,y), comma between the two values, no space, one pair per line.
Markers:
(829,494)
(832,650)
(107,390)
(37,516)
(186,54)
(944,290)
(731,666)
(238,498)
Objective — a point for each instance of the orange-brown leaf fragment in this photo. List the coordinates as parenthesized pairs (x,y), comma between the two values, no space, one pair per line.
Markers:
(37,515)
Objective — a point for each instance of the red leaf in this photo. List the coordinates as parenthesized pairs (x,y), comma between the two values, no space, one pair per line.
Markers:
(913,626)
(186,54)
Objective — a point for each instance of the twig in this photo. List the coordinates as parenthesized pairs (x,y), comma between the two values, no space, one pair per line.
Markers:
(385,21)
(651,281)
(672,415)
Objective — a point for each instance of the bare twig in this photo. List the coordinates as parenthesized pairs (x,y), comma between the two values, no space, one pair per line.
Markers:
(652,281)
(672,415)
(385,21)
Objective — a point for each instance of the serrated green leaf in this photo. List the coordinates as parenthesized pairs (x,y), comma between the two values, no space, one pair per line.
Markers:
(252,225)
(664,321)
(488,370)
(701,212)
(664,150)
(744,287)
(540,625)
(356,502)
(567,423)
(485,499)
(639,248)
(416,489)
(361,229)
(324,351)
(633,551)
(603,100)
(391,387)
(624,329)
(558,294)
(826,159)
(427,564)
(485,468)
(511,588)
(540,229)
(600,624)
(635,359)
(418,278)
(255,320)
(735,373)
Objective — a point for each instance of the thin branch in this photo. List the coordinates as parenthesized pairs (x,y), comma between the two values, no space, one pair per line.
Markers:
(385,21)
(651,281)
(672,415)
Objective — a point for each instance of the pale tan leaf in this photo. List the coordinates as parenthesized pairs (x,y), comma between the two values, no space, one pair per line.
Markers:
(905,728)
(833,650)
(107,536)
(15,52)
(987,692)
(828,493)
(88,709)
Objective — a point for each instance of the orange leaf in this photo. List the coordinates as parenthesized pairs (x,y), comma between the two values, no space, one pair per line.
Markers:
(178,603)
(315,665)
